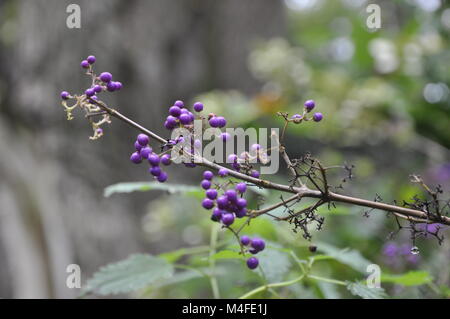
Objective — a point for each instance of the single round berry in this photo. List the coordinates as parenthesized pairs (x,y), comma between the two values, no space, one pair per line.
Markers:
(241,212)
(93,98)
(232,158)
(297,118)
(175,111)
(84,64)
(252,262)
(241,187)
(179,103)
(222,202)
(309,105)
(225,136)
(208,175)
(145,152)
(206,184)
(99,131)
(97,88)
(106,77)
(256,147)
(223,172)
(241,203)
(119,85)
(137,146)
(165,159)
(198,106)
(171,120)
(168,125)
(65,95)
(207,203)
(89,92)
(227,219)
(231,195)
(136,158)
(317,117)
(222,122)
(216,214)
(143,139)
(245,240)
(153,159)
(162,177)
(236,166)
(211,193)
(91,59)
(312,248)
(155,171)
(111,86)
(197,144)
(214,122)
(258,244)
(254,174)
(185,119)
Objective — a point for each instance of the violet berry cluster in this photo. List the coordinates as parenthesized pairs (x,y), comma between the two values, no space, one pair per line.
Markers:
(308,106)
(254,246)
(145,152)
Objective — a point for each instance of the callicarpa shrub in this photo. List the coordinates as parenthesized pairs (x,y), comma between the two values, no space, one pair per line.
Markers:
(226,185)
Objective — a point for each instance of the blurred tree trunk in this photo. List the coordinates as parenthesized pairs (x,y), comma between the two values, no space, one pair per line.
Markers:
(52,212)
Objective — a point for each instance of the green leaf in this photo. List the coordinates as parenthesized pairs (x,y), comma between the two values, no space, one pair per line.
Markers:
(274,263)
(226,254)
(347,256)
(361,290)
(149,186)
(411,278)
(131,274)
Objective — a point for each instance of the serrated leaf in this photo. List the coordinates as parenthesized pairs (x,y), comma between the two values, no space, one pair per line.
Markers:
(274,263)
(226,254)
(412,278)
(347,256)
(361,290)
(149,186)
(131,274)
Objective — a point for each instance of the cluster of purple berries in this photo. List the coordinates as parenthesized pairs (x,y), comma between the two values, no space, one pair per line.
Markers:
(179,115)
(308,107)
(101,83)
(254,245)
(145,152)
(228,205)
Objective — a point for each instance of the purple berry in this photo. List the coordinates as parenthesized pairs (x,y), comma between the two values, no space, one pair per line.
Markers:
(135,158)
(137,146)
(165,159)
(232,158)
(317,117)
(297,118)
(214,122)
(216,214)
(231,195)
(254,174)
(222,201)
(179,103)
(241,203)
(155,170)
(185,119)
(65,95)
(208,175)
(97,88)
(91,59)
(106,77)
(175,111)
(153,159)
(111,86)
(241,212)
(245,240)
(252,262)
(162,177)
(236,166)
(118,85)
(145,152)
(192,116)
(258,244)
(256,147)
(309,105)
(225,136)
(241,187)
(198,106)
(207,203)
(222,122)
(223,172)
(206,184)
(171,120)
(211,193)
(227,219)
(84,64)
(89,92)
(143,139)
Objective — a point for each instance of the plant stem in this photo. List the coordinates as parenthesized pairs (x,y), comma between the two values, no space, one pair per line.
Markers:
(212,262)
(274,285)
(329,280)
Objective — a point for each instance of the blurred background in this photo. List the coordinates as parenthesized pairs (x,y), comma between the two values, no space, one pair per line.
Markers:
(384,94)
